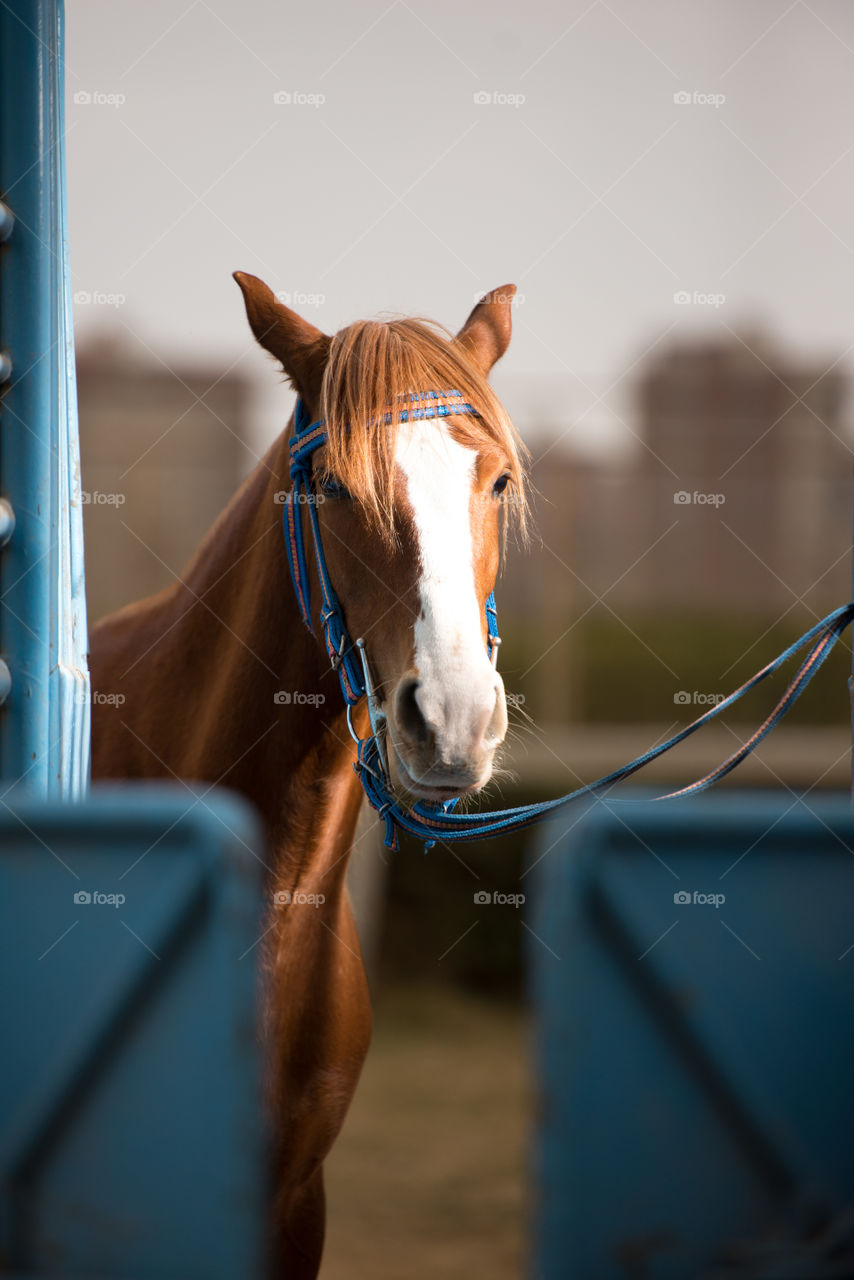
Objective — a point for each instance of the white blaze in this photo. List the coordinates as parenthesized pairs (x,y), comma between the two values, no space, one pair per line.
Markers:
(457,681)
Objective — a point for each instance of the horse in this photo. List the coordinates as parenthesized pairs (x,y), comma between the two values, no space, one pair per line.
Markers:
(221,682)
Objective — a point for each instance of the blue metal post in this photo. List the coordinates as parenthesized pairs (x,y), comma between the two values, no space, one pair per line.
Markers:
(44,719)
(851,677)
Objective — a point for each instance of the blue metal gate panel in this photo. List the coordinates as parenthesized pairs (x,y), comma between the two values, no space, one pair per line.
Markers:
(131,1138)
(694,1056)
(44,724)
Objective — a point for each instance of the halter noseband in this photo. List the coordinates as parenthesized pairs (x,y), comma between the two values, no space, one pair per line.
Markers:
(431,822)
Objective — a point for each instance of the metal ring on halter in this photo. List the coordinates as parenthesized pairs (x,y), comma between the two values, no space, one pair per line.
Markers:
(353,734)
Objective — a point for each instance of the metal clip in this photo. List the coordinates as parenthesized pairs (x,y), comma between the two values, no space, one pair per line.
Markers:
(494,642)
(338,658)
(375,714)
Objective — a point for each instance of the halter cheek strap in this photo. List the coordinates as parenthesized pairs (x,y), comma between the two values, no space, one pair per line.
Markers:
(432,822)
(306,439)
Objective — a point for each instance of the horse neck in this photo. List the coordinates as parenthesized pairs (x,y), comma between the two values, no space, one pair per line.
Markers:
(267,715)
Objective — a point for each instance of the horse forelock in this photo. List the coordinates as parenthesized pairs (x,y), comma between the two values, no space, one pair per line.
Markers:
(372,369)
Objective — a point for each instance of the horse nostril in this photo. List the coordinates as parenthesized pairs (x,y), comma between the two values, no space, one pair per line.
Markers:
(410,717)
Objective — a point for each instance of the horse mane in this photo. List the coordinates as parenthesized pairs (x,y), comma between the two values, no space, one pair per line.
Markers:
(372,369)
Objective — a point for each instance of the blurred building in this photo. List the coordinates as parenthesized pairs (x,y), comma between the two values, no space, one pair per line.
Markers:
(747,452)
(735,499)
(162,451)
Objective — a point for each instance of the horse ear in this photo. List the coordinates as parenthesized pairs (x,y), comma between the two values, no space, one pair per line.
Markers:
(485,336)
(301,349)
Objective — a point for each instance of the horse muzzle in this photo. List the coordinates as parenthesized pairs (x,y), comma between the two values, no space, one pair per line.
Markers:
(440,747)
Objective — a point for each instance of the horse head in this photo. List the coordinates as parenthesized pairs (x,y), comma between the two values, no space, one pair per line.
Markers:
(411,513)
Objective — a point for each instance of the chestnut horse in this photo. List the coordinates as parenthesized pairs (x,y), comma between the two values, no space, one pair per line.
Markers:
(222,683)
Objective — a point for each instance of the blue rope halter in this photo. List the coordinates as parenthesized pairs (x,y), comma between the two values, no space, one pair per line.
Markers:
(431,822)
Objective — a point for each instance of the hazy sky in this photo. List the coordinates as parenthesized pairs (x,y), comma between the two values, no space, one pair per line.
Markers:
(384,184)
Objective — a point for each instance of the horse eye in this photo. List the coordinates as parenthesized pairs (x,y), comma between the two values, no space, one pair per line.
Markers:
(331,488)
(500,485)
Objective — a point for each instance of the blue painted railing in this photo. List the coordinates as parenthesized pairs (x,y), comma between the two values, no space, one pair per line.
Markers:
(44,722)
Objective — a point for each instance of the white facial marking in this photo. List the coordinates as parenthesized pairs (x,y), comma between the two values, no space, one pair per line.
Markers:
(457,682)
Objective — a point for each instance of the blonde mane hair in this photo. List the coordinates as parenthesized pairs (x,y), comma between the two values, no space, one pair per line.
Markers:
(372,369)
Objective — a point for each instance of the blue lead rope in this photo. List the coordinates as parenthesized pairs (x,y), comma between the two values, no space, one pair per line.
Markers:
(439,822)
(430,824)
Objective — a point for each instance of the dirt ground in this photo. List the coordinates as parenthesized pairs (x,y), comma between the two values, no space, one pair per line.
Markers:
(430,1177)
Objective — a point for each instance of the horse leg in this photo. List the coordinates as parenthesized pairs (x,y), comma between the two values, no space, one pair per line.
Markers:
(319,1037)
(298,1231)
